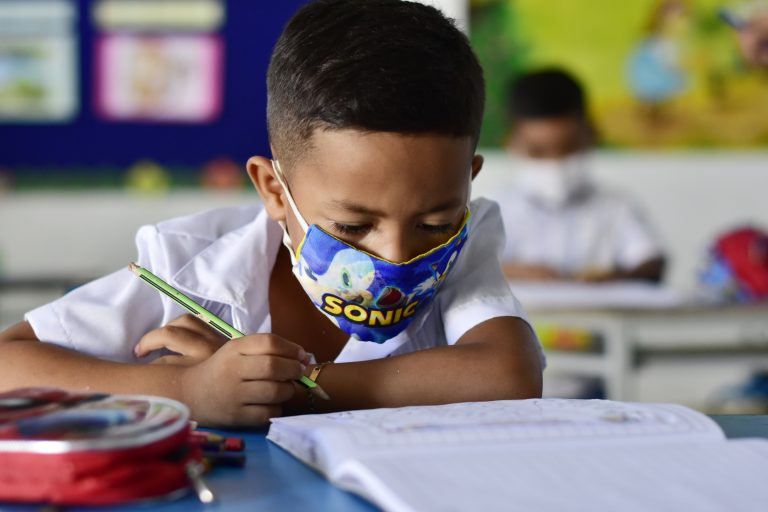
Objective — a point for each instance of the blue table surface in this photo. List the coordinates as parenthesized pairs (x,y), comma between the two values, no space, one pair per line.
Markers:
(273,480)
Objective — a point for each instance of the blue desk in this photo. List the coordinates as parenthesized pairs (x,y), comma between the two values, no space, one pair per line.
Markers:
(275,481)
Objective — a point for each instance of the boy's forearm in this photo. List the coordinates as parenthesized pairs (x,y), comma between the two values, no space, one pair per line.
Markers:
(32,363)
(651,270)
(524,271)
(508,369)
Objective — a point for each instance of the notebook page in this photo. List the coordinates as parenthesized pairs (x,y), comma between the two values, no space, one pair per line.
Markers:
(689,476)
(520,423)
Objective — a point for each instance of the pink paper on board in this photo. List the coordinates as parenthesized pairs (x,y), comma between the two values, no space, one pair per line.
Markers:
(159,78)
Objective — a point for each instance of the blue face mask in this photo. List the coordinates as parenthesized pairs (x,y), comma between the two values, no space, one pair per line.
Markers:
(369,298)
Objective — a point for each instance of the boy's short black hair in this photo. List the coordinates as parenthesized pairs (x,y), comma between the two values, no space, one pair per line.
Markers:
(371,65)
(546,93)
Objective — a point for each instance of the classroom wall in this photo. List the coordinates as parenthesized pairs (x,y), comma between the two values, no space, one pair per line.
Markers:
(88,233)
(689,197)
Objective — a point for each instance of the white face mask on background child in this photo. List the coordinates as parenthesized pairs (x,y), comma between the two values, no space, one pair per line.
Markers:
(554,182)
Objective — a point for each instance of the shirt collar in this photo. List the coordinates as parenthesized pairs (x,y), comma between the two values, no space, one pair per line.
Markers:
(233,268)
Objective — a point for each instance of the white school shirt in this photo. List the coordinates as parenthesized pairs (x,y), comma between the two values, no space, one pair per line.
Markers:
(599,231)
(223,259)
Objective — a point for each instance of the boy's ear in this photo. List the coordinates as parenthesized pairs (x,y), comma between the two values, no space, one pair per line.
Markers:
(262,176)
(477,165)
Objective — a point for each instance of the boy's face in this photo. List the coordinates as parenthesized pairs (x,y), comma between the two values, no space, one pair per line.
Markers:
(393,195)
(551,138)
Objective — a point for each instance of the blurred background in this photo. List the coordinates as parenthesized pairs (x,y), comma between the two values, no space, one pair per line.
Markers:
(118,113)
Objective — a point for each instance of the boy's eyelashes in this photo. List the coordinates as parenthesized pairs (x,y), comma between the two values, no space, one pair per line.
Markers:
(361,229)
(351,229)
(437,228)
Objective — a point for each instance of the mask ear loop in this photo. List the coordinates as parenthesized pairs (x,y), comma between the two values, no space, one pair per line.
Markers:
(281,179)
(287,242)
(469,191)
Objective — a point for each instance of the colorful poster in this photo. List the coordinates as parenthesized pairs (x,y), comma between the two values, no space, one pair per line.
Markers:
(164,78)
(189,15)
(38,64)
(658,73)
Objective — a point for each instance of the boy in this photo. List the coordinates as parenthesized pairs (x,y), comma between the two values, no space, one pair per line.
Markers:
(750,19)
(374,110)
(559,225)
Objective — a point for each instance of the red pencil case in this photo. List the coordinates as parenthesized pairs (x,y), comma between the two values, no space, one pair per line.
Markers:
(92,449)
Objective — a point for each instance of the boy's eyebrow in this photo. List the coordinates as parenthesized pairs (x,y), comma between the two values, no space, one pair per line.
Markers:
(364,210)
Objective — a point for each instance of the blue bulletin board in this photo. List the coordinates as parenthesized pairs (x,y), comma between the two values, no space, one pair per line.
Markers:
(89,142)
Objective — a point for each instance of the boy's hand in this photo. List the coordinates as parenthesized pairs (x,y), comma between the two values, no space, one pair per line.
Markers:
(187,335)
(245,382)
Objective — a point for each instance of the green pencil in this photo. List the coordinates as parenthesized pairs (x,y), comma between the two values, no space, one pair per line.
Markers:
(209,318)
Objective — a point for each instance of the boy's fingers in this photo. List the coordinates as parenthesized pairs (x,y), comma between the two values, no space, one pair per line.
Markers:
(175,338)
(269,368)
(194,324)
(261,392)
(156,339)
(269,344)
(187,320)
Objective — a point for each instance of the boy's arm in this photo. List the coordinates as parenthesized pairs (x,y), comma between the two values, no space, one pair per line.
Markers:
(497,359)
(25,361)
(651,270)
(242,384)
(525,271)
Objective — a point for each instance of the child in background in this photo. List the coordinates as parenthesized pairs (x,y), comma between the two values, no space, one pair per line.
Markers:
(559,224)
(750,19)
(367,251)
(753,40)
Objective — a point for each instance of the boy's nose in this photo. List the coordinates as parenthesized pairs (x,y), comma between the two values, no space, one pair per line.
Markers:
(399,248)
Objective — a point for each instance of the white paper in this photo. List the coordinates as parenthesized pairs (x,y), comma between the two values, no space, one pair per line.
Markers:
(701,477)
(325,439)
(538,454)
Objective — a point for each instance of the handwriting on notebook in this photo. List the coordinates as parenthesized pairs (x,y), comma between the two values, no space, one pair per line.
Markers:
(511,421)
(527,413)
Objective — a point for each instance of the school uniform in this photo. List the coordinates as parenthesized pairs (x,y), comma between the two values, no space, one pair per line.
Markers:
(597,230)
(223,259)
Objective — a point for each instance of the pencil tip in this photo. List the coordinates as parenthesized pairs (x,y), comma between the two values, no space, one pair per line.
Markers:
(321,393)
(133,267)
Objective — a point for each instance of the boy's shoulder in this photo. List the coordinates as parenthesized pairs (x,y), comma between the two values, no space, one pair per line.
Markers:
(207,225)
(172,243)
(485,219)
(484,208)
(212,255)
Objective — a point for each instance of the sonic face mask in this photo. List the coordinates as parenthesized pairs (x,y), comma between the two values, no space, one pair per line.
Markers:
(370,298)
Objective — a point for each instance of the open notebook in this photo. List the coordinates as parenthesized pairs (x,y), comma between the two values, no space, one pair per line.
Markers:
(539,454)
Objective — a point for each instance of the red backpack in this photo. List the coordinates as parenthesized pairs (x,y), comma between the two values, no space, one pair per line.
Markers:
(738,265)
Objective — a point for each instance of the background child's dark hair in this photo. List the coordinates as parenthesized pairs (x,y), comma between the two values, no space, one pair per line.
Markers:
(546,93)
(371,65)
